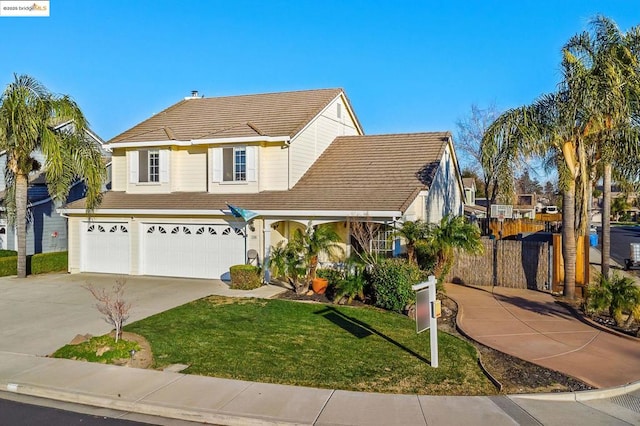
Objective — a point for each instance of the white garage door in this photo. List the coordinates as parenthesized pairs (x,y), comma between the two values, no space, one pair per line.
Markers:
(105,247)
(191,250)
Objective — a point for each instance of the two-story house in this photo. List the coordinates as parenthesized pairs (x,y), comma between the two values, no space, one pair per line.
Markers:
(290,157)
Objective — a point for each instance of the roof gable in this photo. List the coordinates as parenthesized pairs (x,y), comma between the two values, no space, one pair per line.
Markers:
(270,114)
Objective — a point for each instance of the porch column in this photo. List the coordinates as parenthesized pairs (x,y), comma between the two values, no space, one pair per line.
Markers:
(266,242)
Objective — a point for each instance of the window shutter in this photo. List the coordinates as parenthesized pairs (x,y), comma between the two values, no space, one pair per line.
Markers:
(164,165)
(133,166)
(252,163)
(216,165)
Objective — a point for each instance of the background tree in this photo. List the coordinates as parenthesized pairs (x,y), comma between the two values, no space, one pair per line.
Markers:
(471,129)
(494,166)
(526,185)
(31,118)
(619,206)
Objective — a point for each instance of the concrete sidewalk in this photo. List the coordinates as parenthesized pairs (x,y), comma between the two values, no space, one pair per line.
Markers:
(232,402)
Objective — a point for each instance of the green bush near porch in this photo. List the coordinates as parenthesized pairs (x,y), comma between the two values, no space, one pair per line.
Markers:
(42,263)
(8,253)
(245,277)
(8,266)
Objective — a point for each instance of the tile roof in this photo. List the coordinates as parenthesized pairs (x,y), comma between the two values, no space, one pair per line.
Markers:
(269,114)
(355,173)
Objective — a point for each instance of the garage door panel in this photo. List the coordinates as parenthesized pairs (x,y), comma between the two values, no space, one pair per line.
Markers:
(106,248)
(191,250)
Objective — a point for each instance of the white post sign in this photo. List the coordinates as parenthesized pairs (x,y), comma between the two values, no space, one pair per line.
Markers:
(427,313)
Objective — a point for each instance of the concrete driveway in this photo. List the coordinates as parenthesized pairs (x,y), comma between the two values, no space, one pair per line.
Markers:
(530,325)
(41,313)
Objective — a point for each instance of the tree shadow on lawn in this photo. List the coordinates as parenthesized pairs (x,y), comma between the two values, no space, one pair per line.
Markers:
(361,329)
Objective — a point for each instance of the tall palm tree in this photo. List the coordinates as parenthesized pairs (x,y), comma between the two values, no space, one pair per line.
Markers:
(587,119)
(452,233)
(605,58)
(552,128)
(31,119)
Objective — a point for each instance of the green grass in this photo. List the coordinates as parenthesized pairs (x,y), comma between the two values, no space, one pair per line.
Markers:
(278,341)
(87,351)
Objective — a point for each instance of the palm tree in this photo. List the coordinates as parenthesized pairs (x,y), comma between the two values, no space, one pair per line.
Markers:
(617,295)
(412,232)
(31,119)
(551,128)
(303,250)
(452,233)
(606,59)
(585,120)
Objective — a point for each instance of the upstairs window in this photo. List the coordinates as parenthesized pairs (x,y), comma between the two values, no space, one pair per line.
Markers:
(149,166)
(234,164)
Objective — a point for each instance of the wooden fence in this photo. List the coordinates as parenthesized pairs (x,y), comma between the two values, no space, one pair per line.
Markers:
(505,263)
(513,227)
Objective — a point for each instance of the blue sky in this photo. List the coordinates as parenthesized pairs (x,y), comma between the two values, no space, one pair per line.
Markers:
(406,66)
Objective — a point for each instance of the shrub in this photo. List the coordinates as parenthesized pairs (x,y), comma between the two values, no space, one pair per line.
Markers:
(391,281)
(8,266)
(245,277)
(425,256)
(617,295)
(49,262)
(8,253)
(331,275)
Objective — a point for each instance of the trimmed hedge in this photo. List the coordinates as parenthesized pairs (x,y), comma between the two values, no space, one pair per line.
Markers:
(50,262)
(245,277)
(8,266)
(8,253)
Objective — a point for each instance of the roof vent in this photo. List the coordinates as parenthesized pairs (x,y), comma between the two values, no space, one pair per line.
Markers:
(194,93)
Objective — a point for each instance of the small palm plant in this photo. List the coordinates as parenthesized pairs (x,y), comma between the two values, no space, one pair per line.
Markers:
(412,232)
(452,233)
(616,295)
(298,259)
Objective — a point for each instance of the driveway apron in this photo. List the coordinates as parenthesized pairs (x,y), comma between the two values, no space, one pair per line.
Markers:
(530,325)
(41,313)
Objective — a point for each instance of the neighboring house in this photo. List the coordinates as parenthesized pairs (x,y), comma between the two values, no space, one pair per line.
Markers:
(291,157)
(471,209)
(525,207)
(46,228)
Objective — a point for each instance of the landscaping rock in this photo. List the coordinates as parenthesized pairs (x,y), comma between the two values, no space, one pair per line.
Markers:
(80,339)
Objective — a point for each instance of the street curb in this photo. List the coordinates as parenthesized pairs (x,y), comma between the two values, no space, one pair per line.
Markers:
(200,416)
(588,395)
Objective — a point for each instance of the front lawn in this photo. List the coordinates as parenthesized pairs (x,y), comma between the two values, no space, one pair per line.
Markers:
(279,341)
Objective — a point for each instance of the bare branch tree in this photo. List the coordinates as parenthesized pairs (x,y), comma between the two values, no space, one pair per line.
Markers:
(365,232)
(112,305)
(471,130)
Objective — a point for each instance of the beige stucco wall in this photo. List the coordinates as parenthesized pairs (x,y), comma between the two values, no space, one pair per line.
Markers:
(273,160)
(188,169)
(309,144)
(119,170)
